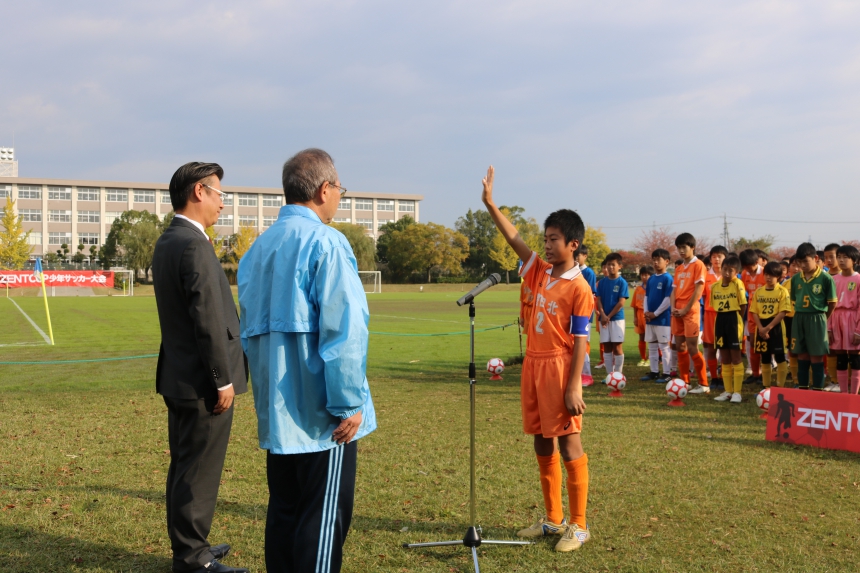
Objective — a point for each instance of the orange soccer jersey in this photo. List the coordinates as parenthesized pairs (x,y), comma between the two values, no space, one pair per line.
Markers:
(752,283)
(687,276)
(562,308)
(638,306)
(710,312)
(527,300)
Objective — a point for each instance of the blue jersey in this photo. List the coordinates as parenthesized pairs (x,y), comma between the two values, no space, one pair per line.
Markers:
(658,288)
(610,291)
(589,277)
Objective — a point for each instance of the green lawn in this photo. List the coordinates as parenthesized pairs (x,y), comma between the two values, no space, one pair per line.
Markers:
(84,456)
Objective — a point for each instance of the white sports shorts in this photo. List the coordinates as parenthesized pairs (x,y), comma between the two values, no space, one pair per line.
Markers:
(614,332)
(658,334)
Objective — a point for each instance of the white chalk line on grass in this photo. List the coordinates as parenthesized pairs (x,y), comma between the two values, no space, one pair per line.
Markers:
(36,326)
(22,344)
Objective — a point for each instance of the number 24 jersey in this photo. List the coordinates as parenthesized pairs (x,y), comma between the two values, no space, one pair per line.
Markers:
(562,306)
(728,298)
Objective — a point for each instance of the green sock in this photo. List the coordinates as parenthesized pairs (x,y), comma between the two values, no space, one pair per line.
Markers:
(803,374)
(818,375)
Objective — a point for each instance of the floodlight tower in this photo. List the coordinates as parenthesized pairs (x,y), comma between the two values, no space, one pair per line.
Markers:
(8,164)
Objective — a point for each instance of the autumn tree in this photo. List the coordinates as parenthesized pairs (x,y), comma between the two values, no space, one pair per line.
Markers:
(14,248)
(422,248)
(650,240)
(362,245)
(595,240)
(765,242)
(385,236)
(241,242)
(480,231)
(132,239)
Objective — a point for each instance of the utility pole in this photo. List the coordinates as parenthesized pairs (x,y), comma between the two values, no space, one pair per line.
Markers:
(726,232)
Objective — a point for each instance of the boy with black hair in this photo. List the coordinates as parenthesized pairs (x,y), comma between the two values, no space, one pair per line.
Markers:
(612,293)
(728,297)
(551,385)
(687,291)
(820,255)
(768,309)
(763,259)
(789,317)
(753,279)
(658,316)
(638,305)
(717,256)
(587,273)
(830,263)
(832,267)
(813,293)
(843,327)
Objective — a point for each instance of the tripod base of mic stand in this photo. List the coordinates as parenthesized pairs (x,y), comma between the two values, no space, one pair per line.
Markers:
(472,539)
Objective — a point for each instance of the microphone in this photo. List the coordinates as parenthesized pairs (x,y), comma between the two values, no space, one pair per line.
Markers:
(491,280)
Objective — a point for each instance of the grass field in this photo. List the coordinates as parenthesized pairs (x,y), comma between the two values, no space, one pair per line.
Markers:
(84,456)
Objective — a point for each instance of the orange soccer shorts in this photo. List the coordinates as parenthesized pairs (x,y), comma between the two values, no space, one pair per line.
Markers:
(640,322)
(688,325)
(710,325)
(544,381)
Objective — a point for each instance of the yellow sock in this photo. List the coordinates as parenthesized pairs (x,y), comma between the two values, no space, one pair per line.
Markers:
(728,377)
(781,374)
(792,367)
(739,377)
(766,375)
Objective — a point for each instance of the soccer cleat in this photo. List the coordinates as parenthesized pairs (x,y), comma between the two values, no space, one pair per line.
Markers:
(748,371)
(543,528)
(644,363)
(724,397)
(663,379)
(831,387)
(650,377)
(601,365)
(573,538)
(673,374)
(587,380)
(699,389)
(736,398)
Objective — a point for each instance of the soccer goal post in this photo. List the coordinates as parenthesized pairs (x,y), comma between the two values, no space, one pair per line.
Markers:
(372,281)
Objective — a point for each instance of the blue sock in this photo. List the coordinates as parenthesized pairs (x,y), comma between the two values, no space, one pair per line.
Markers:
(818,375)
(803,374)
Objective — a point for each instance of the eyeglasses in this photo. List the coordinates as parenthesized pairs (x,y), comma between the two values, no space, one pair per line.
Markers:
(220,193)
(342,189)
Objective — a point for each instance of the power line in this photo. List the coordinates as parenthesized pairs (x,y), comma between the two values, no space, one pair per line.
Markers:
(724,217)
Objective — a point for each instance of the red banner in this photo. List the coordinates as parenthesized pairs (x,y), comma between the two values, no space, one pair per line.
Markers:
(27,279)
(822,419)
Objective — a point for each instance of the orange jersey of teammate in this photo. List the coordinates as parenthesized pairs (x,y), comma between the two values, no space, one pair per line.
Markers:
(752,284)
(638,306)
(527,300)
(710,278)
(562,306)
(687,276)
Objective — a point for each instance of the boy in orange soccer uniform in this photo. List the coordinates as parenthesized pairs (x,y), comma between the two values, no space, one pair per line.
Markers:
(718,255)
(753,279)
(686,293)
(638,306)
(551,386)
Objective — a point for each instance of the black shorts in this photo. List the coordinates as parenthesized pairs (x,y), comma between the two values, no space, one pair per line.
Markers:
(773,345)
(728,330)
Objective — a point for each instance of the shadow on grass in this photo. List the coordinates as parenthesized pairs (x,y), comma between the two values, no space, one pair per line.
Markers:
(28,551)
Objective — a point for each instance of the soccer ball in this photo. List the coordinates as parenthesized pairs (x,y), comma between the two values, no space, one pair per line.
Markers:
(762,399)
(616,381)
(676,388)
(495,366)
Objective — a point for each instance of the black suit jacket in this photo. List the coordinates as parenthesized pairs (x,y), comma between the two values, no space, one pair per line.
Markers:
(200,345)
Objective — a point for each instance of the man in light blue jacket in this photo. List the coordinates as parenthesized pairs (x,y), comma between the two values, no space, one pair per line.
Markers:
(304,328)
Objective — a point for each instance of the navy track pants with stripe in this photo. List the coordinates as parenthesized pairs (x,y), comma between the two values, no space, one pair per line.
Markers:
(310,509)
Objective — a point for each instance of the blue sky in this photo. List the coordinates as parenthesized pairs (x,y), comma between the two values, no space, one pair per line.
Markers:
(633,113)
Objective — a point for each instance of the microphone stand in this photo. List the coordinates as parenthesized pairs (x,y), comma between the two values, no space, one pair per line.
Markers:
(472,539)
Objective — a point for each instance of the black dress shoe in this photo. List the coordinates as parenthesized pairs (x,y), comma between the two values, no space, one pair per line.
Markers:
(215,567)
(220,551)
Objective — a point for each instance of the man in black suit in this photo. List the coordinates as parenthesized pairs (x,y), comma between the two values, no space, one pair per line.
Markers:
(201,365)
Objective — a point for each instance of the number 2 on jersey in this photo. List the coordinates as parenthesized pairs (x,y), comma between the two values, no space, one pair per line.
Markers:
(539,322)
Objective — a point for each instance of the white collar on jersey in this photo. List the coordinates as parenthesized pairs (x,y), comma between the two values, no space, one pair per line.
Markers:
(693,260)
(571,274)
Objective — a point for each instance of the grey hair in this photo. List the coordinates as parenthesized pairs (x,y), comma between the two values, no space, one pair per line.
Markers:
(305,172)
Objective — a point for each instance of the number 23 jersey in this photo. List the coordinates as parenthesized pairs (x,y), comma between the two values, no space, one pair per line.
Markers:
(562,306)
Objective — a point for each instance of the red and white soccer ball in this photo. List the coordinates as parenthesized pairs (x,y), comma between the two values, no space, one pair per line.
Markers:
(616,381)
(762,399)
(495,366)
(676,388)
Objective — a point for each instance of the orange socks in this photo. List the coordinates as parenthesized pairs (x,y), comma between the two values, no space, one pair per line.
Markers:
(577,489)
(701,371)
(550,484)
(643,350)
(684,366)
(712,368)
(755,364)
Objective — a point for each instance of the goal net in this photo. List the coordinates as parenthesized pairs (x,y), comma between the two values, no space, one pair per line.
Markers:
(371,280)
(116,282)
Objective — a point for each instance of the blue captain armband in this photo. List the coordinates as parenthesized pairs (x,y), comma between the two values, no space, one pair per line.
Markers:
(579,325)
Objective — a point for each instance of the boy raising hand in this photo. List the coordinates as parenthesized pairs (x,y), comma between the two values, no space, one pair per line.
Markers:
(551,388)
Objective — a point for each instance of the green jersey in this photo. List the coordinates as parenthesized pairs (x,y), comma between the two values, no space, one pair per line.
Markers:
(813,294)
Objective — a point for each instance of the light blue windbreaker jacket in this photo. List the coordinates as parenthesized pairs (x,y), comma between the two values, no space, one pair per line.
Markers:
(304,324)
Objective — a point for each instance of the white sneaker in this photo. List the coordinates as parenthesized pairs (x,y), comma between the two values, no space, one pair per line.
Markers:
(601,365)
(644,363)
(699,389)
(736,398)
(724,397)
(542,528)
(831,387)
(748,372)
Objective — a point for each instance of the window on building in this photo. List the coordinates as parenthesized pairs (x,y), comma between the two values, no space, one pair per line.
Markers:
(344,204)
(364,204)
(366,223)
(144,196)
(29,192)
(55,216)
(225,220)
(60,193)
(111,216)
(406,206)
(88,216)
(59,238)
(247,220)
(165,198)
(116,195)
(88,194)
(273,200)
(35,238)
(269,220)
(88,238)
(5,191)
(30,215)
(247,200)
(227,198)
(344,220)
(384,205)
